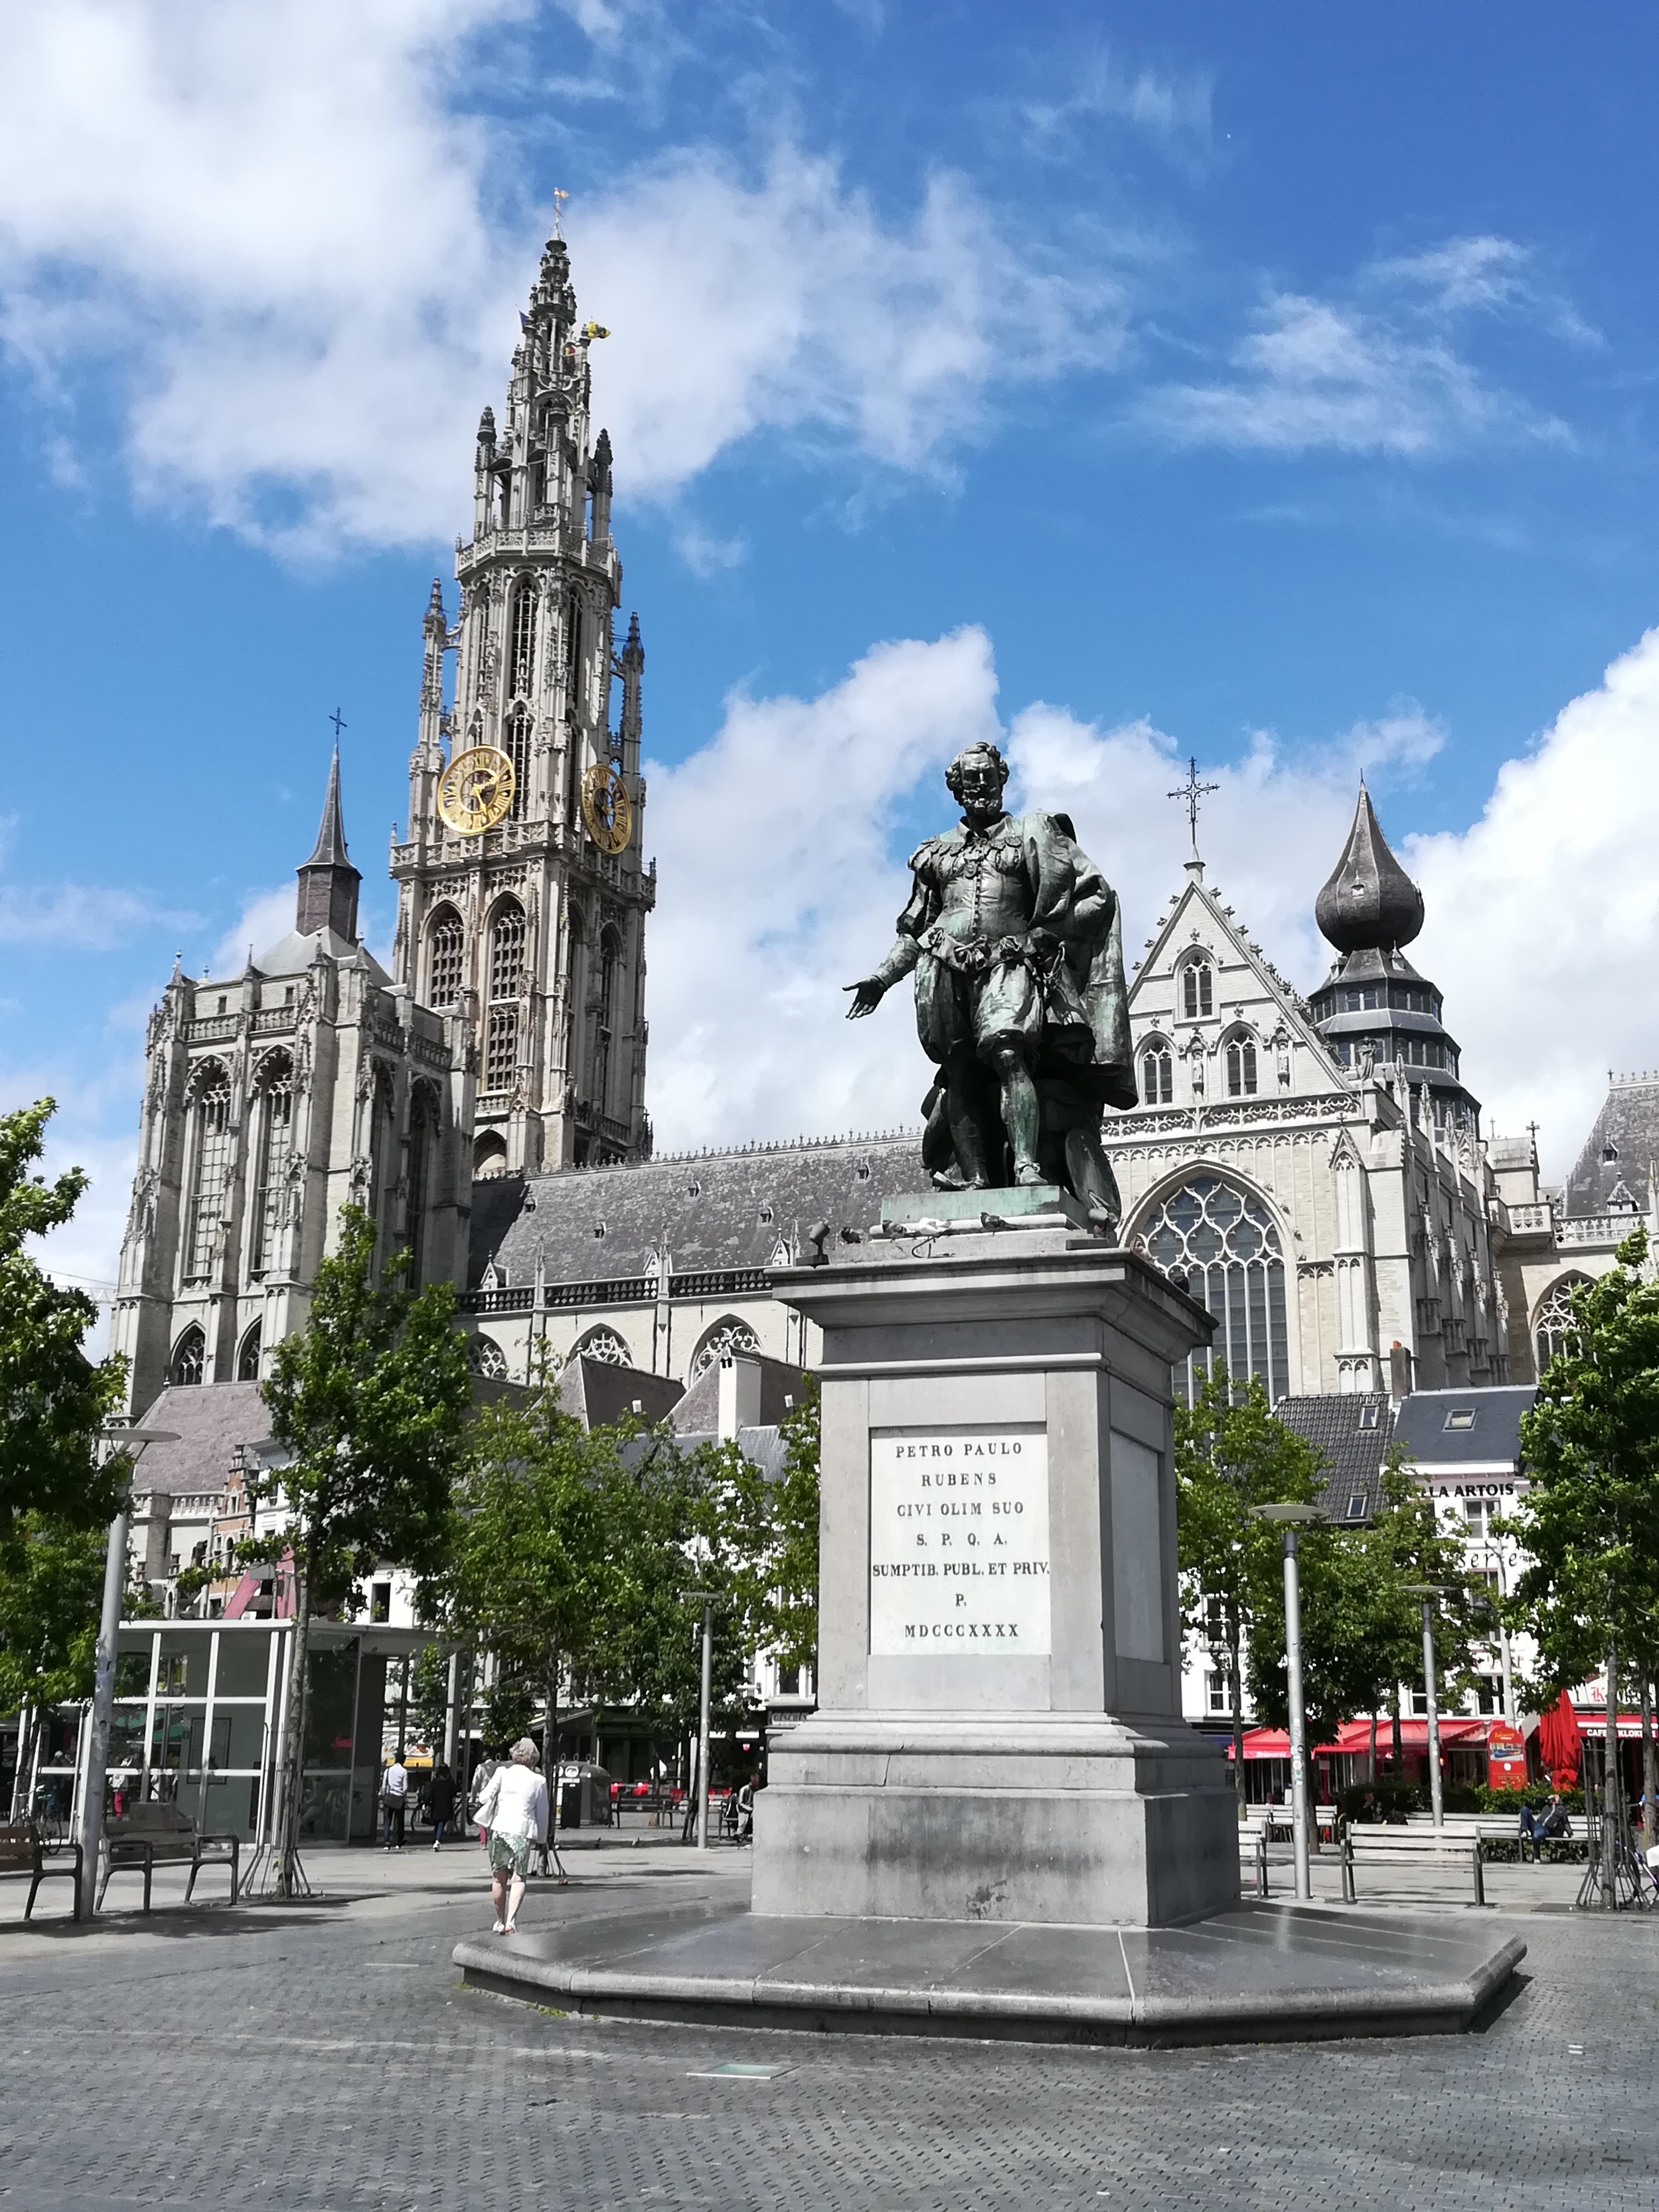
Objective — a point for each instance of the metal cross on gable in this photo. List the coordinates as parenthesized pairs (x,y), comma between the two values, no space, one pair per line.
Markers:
(1192,792)
(339,722)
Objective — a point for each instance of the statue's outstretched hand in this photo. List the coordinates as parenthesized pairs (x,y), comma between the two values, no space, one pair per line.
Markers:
(866,997)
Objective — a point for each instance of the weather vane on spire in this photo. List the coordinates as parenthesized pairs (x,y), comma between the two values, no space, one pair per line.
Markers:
(559,197)
(1194,792)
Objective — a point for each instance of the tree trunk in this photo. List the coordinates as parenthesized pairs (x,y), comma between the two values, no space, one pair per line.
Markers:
(290,1786)
(1370,1752)
(1235,1640)
(551,1746)
(1610,1785)
(1649,1768)
(1399,1748)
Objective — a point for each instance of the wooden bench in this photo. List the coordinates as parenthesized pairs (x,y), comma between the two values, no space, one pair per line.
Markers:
(1276,1821)
(1496,1828)
(1386,1846)
(21,1853)
(1253,1854)
(154,1835)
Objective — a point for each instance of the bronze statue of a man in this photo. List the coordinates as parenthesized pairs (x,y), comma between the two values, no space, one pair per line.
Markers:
(1014,937)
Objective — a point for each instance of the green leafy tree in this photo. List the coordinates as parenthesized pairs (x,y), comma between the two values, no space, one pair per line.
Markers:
(1589,1521)
(766,1534)
(568,1555)
(52,1582)
(369,1404)
(1361,1620)
(54,1402)
(1230,1454)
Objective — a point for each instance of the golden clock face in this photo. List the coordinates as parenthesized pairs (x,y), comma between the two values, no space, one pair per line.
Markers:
(606,810)
(476,790)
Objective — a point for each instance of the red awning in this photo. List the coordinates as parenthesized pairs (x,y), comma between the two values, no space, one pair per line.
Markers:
(1355,1736)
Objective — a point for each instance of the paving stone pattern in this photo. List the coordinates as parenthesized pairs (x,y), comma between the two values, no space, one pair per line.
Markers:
(328,2061)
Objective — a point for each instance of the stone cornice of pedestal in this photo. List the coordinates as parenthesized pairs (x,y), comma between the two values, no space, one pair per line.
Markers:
(1118,1286)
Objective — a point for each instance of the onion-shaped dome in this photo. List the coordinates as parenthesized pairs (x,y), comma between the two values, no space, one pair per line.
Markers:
(1370,903)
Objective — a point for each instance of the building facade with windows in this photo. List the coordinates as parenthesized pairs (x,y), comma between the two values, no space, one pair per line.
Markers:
(1556,1240)
(522,900)
(1313,1167)
(271,1099)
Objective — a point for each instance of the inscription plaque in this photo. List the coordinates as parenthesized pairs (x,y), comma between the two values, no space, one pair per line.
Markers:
(959,1540)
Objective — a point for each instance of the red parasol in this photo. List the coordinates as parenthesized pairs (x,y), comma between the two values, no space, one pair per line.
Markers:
(1559,1739)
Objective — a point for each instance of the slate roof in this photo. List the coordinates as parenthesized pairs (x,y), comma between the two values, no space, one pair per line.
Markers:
(780,1385)
(1492,1438)
(1628,1127)
(1350,1454)
(762,1448)
(709,1209)
(210,1420)
(599,1392)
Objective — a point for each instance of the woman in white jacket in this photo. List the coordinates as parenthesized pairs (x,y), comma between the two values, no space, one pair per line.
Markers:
(514,1810)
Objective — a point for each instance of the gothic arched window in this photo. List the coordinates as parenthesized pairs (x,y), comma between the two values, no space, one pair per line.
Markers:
(445,953)
(1241,1067)
(1552,1328)
(273,1138)
(1224,1243)
(210,1168)
(727,1336)
(1197,990)
(603,1345)
(422,1145)
(485,1357)
(189,1358)
(516,745)
(611,954)
(573,655)
(1156,1075)
(505,977)
(247,1356)
(523,649)
(489,1156)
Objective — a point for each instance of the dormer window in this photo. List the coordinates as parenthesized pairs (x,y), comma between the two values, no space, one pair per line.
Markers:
(1461,1417)
(1609,1153)
(766,1213)
(1368,1417)
(599,1229)
(1197,990)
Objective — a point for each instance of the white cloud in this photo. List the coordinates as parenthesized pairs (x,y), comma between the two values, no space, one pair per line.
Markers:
(1543,917)
(1099,89)
(780,884)
(273,221)
(1384,373)
(80,917)
(803,312)
(266,918)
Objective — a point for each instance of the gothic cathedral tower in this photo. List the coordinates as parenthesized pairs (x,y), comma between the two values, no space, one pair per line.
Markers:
(521,898)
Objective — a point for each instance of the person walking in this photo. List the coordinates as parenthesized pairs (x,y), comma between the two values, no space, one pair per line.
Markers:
(394,1799)
(514,1811)
(440,1803)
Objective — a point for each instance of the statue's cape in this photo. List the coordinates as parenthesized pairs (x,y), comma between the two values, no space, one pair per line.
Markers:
(1075,902)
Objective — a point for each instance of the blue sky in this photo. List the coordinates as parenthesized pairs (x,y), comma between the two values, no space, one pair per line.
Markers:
(1275,385)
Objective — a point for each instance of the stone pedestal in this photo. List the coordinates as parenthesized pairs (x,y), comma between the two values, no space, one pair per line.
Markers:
(998,1734)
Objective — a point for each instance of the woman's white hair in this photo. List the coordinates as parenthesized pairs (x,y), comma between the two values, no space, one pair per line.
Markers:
(524,1753)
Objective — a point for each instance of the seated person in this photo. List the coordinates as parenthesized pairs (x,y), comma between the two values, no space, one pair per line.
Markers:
(1542,1827)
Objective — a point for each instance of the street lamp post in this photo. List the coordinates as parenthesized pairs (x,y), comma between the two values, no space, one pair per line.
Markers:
(708,1600)
(1291,1517)
(90,1833)
(1428,1592)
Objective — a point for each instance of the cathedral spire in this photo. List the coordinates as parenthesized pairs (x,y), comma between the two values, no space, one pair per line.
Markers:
(1369,904)
(328,881)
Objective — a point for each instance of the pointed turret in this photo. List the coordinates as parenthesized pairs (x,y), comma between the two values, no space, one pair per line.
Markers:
(328,881)
(1374,1012)
(1370,903)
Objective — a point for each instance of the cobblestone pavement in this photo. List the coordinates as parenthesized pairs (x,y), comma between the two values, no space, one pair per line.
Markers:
(326,2060)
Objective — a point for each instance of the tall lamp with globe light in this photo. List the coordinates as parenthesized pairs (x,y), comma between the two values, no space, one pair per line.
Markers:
(1290,1518)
